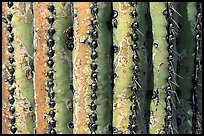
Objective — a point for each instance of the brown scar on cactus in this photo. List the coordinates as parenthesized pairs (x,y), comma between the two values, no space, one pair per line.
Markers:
(123,67)
(5,93)
(81,68)
(40,58)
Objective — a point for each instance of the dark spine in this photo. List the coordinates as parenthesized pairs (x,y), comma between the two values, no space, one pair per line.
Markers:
(197,68)
(94,35)
(134,107)
(50,74)
(11,69)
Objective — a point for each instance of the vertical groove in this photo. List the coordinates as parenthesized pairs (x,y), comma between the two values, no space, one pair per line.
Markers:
(50,83)
(5,63)
(94,74)
(133,126)
(196,129)
(170,128)
(11,68)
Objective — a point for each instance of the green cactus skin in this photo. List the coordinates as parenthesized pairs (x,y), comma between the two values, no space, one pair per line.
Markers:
(199,85)
(122,67)
(82,71)
(73,72)
(197,122)
(161,72)
(173,9)
(104,60)
(150,65)
(143,69)
(186,45)
(62,68)
(22,22)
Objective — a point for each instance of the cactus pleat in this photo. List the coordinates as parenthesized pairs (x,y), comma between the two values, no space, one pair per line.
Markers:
(160,65)
(63,67)
(196,101)
(81,68)
(20,38)
(104,61)
(122,67)
(140,68)
(129,61)
(40,58)
(56,115)
(102,67)
(5,64)
(199,84)
(172,97)
(90,81)
(186,47)
(162,108)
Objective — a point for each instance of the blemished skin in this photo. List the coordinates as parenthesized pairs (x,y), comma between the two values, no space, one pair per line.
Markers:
(82,72)
(62,60)
(40,58)
(5,64)
(21,23)
(160,65)
(62,68)
(124,66)
(102,67)
(163,108)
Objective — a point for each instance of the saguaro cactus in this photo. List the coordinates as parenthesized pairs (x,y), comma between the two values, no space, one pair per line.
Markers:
(91,56)
(185,49)
(162,110)
(20,42)
(189,45)
(54,109)
(129,37)
(5,63)
(102,67)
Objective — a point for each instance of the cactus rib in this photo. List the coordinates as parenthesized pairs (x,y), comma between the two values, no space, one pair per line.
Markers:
(6,91)
(196,127)
(40,58)
(21,35)
(159,14)
(63,67)
(139,88)
(50,83)
(186,45)
(122,67)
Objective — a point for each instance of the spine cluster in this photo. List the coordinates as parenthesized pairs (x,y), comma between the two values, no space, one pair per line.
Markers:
(195,125)
(11,69)
(171,81)
(134,107)
(50,74)
(94,55)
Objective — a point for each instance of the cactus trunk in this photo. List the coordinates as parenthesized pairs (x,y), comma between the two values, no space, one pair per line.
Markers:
(122,67)
(22,104)
(130,59)
(163,108)
(102,67)
(90,56)
(5,74)
(186,45)
(54,110)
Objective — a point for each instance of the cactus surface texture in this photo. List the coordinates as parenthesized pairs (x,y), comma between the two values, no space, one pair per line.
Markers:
(101,67)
